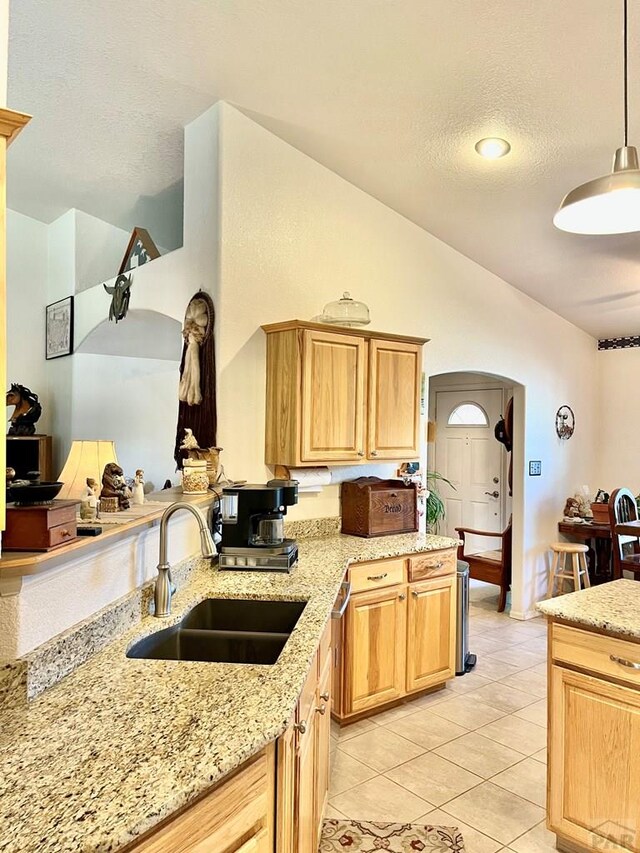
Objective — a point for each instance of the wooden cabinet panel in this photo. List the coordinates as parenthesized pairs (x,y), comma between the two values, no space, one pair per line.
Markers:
(594,770)
(432,564)
(367,576)
(395,374)
(286,790)
(375,648)
(594,652)
(323,743)
(431,630)
(305,818)
(333,389)
(237,813)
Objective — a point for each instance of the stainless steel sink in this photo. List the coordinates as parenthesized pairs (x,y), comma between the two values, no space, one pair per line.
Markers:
(220,630)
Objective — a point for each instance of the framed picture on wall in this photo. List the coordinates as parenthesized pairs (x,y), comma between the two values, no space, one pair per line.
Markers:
(59,328)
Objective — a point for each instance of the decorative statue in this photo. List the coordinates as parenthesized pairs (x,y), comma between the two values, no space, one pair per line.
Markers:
(571,509)
(120,294)
(89,501)
(114,485)
(190,449)
(137,495)
(27,410)
(197,388)
(190,442)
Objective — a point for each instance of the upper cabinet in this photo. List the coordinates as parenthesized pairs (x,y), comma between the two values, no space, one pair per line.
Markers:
(339,395)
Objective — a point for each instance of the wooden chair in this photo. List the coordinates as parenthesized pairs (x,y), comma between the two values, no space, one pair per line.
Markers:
(623,508)
(576,570)
(490,566)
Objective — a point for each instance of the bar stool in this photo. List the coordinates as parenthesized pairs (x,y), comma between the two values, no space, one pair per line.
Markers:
(577,568)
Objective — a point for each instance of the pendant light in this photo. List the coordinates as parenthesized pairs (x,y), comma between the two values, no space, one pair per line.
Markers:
(611,204)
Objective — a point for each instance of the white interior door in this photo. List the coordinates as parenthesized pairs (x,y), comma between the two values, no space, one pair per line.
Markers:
(468,455)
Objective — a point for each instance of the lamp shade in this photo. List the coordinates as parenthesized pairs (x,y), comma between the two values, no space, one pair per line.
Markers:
(85,459)
(607,205)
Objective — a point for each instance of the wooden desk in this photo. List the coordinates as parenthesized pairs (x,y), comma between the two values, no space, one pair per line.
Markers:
(598,539)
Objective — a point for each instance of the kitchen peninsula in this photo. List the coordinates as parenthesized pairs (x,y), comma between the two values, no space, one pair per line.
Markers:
(594,717)
(131,743)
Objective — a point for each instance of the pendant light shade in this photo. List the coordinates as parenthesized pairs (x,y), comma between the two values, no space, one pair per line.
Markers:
(611,204)
(607,205)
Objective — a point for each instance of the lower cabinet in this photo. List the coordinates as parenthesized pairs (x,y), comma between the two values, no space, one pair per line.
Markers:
(303,762)
(594,761)
(431,633)
(395,640)
(236,817)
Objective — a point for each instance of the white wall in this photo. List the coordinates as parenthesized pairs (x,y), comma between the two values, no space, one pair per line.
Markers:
(617,420)
(100,248)
(27,276)
(295,235)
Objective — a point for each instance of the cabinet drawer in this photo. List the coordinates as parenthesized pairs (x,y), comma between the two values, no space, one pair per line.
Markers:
(376,575)
(62,533)
(594,652)
(432,564)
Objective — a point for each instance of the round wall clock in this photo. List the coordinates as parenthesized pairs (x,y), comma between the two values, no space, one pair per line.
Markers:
(565,422)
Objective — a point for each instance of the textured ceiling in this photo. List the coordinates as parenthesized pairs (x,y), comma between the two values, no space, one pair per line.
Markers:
(391,94)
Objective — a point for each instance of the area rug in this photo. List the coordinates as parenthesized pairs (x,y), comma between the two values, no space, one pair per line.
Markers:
(340,836)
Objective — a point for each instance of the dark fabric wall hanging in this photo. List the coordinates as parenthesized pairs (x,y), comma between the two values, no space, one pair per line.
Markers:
(197,407)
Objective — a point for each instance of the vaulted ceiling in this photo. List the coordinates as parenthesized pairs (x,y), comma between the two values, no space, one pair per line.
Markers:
(390,94)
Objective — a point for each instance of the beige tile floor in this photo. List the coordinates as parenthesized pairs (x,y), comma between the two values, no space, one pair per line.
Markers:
(472,755)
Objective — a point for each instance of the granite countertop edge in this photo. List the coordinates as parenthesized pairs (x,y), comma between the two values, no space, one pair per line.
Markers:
(612,607)
(131,742)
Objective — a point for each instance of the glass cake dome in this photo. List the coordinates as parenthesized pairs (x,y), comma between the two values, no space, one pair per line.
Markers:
(345,312)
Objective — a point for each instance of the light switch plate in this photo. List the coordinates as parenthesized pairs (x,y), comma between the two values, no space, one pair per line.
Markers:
(535,468)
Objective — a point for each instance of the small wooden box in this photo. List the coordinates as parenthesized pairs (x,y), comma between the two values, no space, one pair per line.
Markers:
(600,513)
(375,507)
(40,528)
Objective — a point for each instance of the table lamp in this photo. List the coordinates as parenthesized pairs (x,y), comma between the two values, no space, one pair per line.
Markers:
(85,459)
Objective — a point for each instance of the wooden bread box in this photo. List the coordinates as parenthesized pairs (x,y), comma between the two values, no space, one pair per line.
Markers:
(375,507)
(40,528)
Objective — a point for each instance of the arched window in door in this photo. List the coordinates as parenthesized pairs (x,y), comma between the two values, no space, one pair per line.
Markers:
(468,414)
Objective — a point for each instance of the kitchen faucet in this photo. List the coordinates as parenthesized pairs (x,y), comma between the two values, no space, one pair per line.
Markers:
(164,587)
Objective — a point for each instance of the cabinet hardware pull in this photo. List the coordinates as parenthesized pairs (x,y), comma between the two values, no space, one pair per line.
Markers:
(402,596)
(374,452)
(300,727)
(325,697)
(345,586)
(322,709)
(414,593)
(439,565)
(361,453)
(65,533)
(624,662)
(377,577)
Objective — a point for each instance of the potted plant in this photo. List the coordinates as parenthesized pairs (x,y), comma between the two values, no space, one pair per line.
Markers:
(434,505)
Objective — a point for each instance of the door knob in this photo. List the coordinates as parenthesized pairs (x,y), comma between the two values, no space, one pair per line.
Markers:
(496,479)
(495,494)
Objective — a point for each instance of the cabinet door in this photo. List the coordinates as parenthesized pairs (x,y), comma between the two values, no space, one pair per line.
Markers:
(305,817)
(395,374)
(286,790)
(431,633)
(374,650)
(323,742)
(594,765)
(333,397)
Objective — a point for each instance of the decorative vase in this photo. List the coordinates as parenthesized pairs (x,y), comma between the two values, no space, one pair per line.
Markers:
(195,480)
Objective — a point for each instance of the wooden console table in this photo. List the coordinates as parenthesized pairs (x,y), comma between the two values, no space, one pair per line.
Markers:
(598,539)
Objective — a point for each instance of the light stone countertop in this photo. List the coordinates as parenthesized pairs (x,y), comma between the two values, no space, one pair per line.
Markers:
(120,744)
(613,607)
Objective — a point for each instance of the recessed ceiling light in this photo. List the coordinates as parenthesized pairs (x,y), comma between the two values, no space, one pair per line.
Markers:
(492,147)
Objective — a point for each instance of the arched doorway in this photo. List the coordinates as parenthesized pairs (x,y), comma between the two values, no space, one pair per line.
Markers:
(464,408)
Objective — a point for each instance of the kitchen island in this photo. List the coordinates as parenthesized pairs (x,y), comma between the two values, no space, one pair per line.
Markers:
(593,783)
(120,745)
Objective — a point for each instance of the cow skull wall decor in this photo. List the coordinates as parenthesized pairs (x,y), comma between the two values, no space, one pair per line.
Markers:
(120,294)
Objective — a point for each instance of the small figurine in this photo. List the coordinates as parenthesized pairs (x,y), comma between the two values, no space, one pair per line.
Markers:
(571,508)
(137,495)
(114,485)
(89,501)
(27,410)
(189,442)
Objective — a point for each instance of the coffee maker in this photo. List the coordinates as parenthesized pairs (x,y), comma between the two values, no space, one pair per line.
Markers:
(253,527)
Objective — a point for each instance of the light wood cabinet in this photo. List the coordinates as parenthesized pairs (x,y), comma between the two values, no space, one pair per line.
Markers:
(236,817)
(431,633)
(303,760)
(374,670)
(340,395)
(396,638)
(594,746)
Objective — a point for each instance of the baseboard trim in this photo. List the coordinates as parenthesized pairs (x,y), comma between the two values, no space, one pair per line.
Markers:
(523,617)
